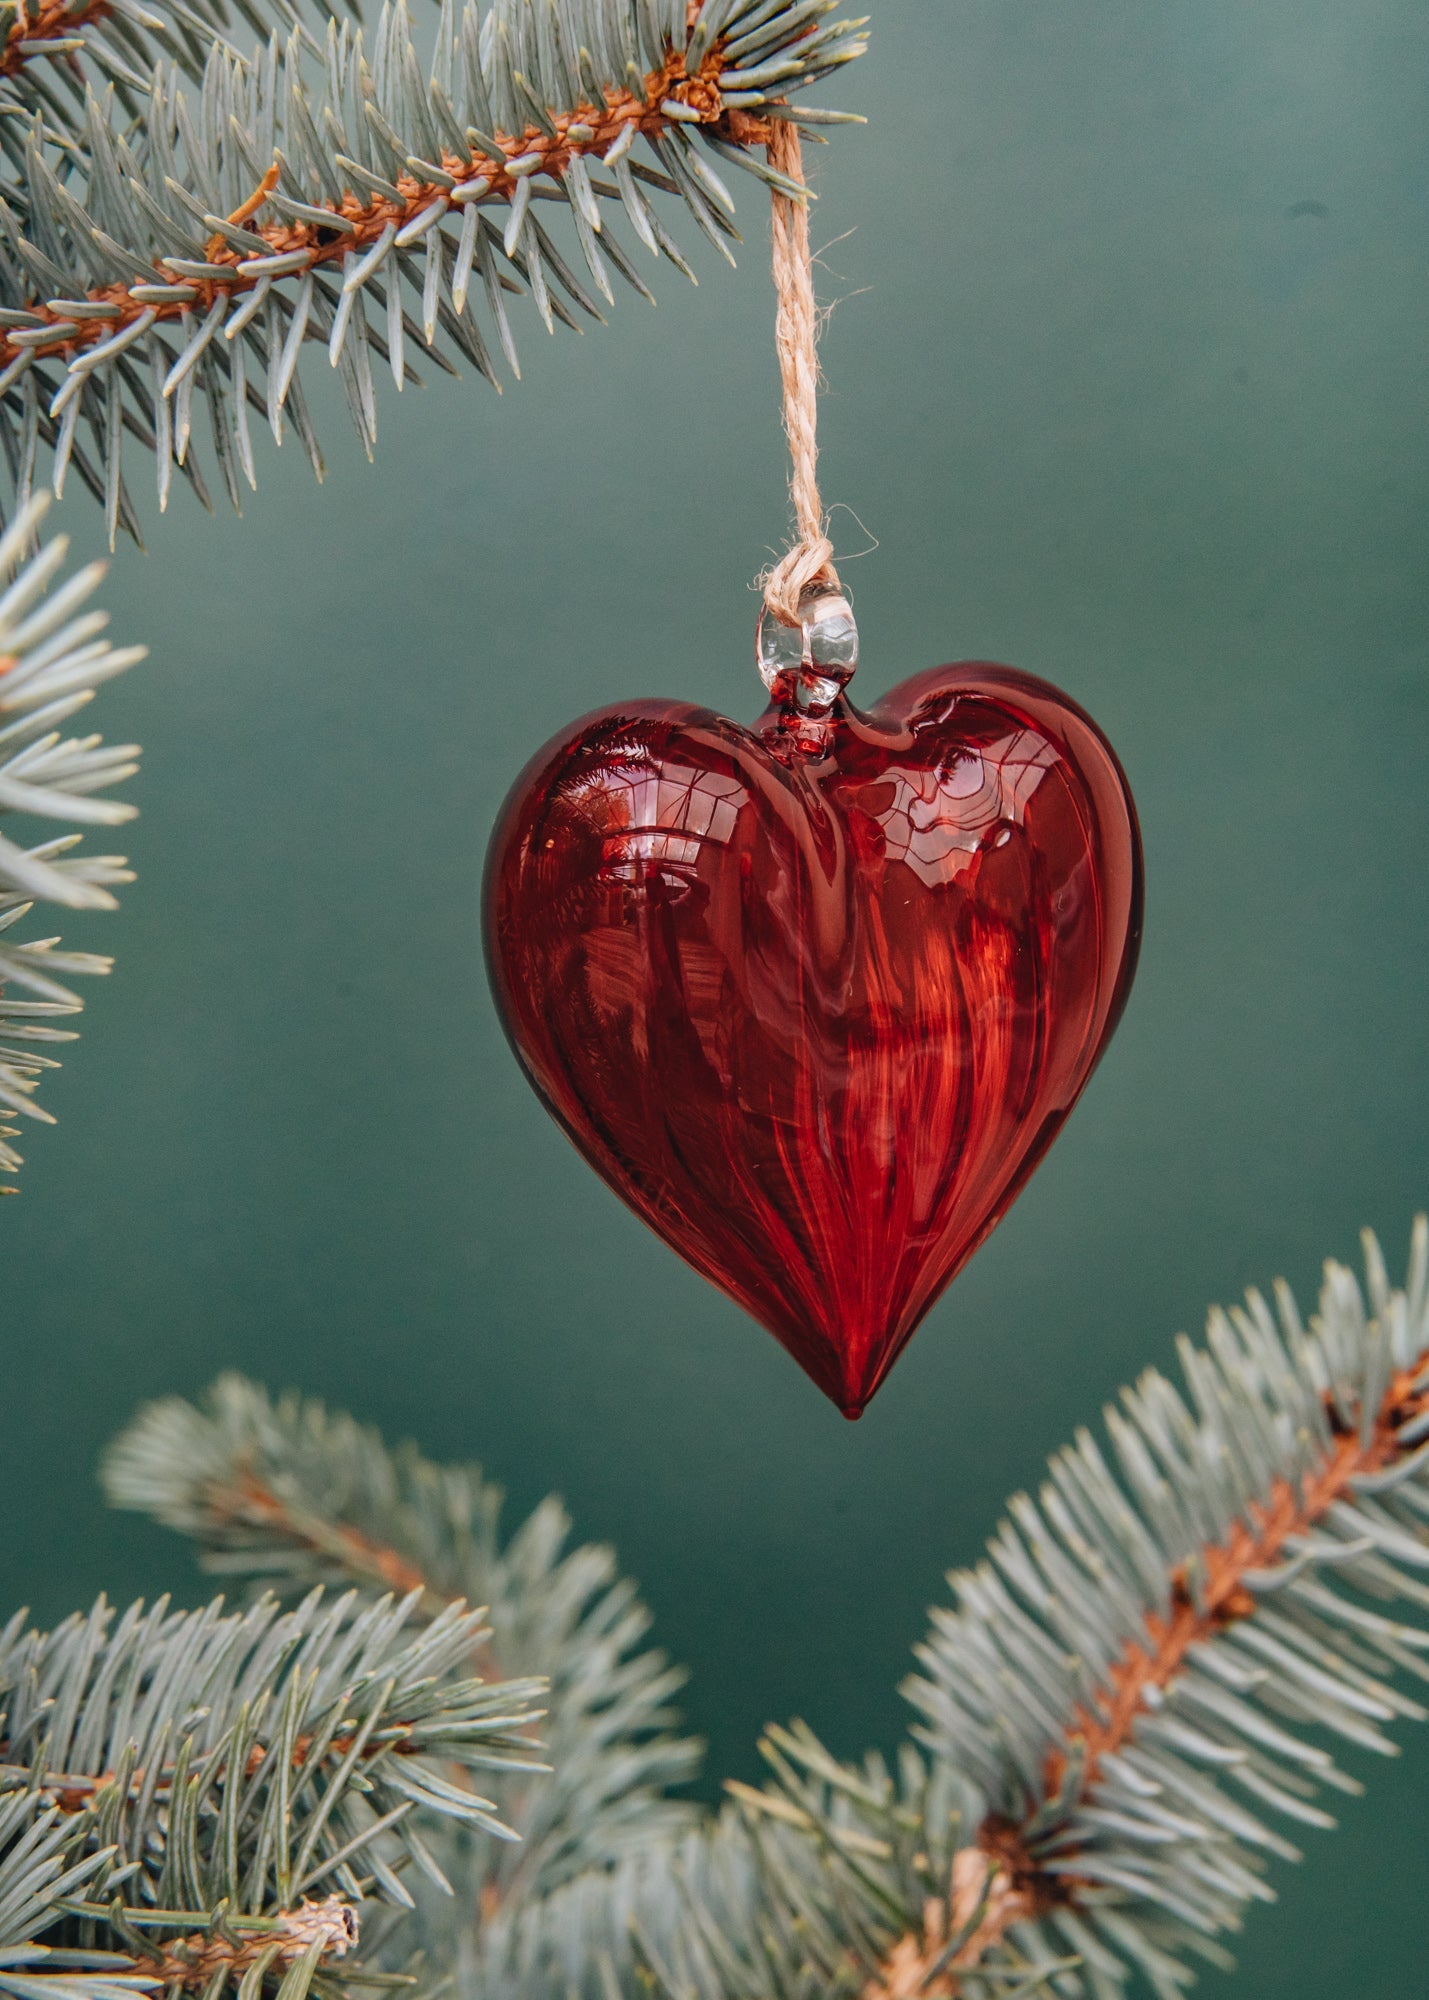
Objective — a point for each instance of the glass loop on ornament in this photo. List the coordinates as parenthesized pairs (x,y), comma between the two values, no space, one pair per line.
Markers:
(807,666)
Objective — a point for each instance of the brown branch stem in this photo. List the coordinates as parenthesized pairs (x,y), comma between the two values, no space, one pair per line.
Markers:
(72,1791)
(246,1501)
(189,1963)
(366,219)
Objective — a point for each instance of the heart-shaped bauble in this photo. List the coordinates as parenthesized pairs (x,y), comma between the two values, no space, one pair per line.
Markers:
(815,997)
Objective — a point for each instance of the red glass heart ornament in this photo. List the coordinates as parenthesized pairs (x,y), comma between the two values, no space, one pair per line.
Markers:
(815,997)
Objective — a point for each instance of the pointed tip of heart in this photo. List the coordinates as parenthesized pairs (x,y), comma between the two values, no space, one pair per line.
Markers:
(853,1411)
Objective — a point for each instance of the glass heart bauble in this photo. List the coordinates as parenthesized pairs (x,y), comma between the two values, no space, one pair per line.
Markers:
(815,997)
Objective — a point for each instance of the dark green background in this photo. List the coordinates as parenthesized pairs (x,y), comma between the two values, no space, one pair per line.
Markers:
(1126,378)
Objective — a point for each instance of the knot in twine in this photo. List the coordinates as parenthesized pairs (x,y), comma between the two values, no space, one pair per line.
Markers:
(810,561)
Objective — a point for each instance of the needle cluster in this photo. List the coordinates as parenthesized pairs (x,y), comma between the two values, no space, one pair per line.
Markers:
(53,657)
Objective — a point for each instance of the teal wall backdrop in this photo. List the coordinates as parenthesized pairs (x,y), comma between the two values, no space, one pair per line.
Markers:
(1126,376)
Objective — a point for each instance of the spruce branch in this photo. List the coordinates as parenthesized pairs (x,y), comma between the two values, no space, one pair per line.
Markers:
(52,660)
(289,1496)
(1126,1684)
(201,249)
(205,1800)
(1130,1700)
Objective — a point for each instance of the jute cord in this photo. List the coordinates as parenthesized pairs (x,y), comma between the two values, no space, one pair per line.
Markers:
(796,326)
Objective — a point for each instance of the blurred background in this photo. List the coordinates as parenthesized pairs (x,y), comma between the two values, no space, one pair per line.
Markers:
(1126,378)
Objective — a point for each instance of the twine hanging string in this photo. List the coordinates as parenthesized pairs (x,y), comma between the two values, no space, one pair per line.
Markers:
(796,325)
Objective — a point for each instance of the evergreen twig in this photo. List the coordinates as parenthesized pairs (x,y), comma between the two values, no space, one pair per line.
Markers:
(1129,1702)
(289,1496)
(197,247)
(52,659)
(205,1800)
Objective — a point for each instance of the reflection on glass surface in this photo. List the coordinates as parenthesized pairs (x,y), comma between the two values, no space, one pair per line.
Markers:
(663,812)
(939,818)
